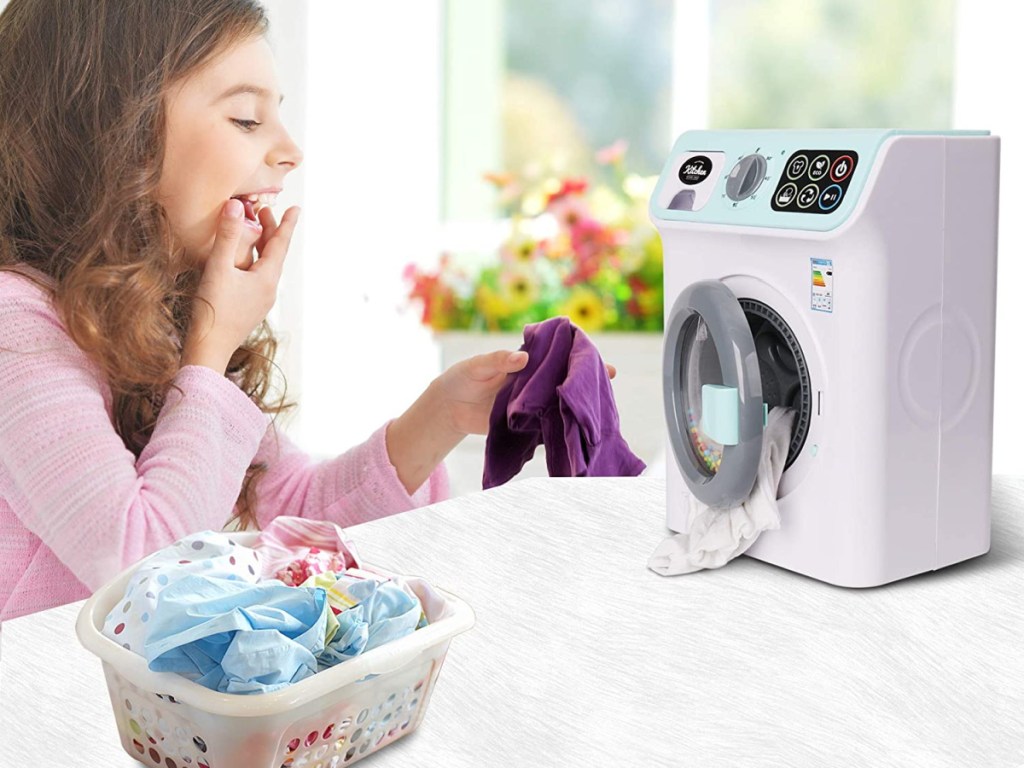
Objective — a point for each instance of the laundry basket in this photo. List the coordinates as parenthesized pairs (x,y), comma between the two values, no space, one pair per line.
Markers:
(330,719)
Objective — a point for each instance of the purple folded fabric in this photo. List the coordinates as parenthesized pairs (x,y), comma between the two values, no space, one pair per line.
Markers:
(563,399)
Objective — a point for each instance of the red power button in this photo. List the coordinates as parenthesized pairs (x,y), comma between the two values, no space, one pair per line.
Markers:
(841,168)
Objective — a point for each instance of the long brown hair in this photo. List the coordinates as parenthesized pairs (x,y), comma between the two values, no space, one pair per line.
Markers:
(82,138)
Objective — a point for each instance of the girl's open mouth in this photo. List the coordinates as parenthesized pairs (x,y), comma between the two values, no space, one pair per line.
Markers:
(253,204)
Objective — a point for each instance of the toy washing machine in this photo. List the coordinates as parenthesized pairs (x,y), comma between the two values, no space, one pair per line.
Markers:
(851,275)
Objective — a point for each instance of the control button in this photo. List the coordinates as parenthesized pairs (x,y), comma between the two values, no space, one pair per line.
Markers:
(785,195)
(807,196)
(797,166)
(819,168)
(830,197)
(842,167)
(745,177)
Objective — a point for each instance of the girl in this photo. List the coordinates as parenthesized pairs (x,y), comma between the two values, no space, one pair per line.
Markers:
(141,151)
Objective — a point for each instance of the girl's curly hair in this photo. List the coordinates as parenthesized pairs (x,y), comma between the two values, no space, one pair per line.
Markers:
(82,140)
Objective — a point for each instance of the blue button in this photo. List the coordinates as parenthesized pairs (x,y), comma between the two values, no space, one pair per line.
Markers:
(830,197)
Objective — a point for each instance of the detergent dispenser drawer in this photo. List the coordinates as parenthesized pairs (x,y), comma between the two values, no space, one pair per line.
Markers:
(712,390)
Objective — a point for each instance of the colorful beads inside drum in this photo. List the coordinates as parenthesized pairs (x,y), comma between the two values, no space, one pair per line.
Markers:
(711,454)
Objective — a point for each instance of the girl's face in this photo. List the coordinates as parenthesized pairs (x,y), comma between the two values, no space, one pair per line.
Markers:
(214,152)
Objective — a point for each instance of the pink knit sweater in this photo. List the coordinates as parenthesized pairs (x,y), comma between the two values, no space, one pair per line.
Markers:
(76,508)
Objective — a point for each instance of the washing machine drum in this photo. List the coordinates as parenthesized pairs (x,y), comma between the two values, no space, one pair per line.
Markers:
(716,399)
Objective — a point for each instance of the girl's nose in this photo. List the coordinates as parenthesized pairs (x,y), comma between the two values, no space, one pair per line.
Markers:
(288,153)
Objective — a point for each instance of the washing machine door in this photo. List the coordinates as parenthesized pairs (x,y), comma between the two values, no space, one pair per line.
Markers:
(712,387)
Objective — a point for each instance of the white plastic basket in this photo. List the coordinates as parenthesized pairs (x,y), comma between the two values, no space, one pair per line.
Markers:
(330,719)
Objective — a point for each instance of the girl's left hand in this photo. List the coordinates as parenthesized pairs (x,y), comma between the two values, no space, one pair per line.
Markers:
(469,387)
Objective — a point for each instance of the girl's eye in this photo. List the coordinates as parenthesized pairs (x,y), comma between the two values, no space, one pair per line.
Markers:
(247,125)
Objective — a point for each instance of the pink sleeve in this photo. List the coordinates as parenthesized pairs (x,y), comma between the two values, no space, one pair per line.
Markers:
(66,472)
(359,485)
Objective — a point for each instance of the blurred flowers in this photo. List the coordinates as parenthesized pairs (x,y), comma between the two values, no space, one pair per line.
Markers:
(585,251)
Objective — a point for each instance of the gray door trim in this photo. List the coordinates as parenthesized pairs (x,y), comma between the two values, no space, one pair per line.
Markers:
(730,333)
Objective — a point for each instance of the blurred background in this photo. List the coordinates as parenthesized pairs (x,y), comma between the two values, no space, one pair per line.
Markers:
(435,127)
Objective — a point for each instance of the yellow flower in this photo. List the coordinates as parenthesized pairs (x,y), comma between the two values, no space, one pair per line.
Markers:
(499,180)
(649,302)
(520,288)
(585,309)
(491,305)
(519,248)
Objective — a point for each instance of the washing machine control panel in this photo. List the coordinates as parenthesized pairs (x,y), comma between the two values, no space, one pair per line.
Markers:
(771,178)
(814,180)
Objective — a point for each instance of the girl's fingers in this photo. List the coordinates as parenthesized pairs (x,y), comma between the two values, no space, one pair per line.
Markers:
(276,247)
(516,361)
(491,364)
(229,232)
(266,217)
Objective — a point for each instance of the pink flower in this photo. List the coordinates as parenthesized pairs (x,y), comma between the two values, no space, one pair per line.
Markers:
(569,211)
(569,187)
(590,236)
(613,153)
(586,268)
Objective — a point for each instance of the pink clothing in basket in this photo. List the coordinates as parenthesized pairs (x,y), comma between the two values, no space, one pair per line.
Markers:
(76,508)
(294,548)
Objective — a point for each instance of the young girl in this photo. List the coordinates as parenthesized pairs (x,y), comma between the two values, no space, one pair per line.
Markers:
(135,360)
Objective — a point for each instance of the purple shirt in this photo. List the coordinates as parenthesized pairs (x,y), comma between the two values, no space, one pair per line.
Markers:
(563,399)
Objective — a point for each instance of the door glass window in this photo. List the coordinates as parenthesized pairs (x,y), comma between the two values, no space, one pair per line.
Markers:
(700,366)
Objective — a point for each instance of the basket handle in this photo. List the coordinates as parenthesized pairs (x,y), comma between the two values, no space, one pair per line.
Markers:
(390,658)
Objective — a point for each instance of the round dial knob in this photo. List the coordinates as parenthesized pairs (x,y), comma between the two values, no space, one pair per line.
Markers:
(745,177)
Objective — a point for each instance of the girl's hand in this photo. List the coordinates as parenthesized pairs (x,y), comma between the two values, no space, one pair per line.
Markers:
(470,386)
(237,297)
(457,403)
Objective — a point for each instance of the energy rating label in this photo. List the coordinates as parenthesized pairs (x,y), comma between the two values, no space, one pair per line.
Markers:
(822,281)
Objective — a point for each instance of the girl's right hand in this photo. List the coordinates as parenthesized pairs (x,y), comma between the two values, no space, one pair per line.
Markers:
(238,298)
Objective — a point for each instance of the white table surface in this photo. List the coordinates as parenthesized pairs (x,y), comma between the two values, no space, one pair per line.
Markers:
(583,657)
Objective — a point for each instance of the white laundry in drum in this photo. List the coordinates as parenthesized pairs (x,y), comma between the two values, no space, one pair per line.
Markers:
(713,537)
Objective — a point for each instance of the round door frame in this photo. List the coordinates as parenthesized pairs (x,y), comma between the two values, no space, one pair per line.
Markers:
(737,357)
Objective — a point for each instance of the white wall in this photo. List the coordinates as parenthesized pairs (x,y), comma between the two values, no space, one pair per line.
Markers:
(363,100)
(691,68)
(288,39)
(988,58)
(372,157)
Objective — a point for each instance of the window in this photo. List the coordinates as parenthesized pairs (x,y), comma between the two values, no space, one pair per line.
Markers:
(528,82)
(532,83)
(831,64)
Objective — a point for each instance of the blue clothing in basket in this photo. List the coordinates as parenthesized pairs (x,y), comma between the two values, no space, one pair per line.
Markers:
(207,552)
(374,611)
(200,608)
(237,637)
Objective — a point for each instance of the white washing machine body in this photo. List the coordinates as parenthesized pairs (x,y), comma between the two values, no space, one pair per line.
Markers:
(878,299)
